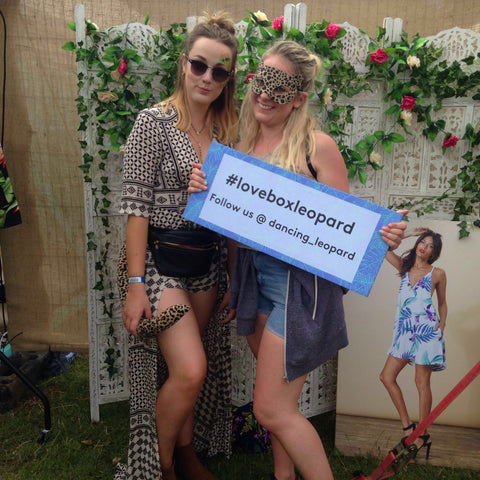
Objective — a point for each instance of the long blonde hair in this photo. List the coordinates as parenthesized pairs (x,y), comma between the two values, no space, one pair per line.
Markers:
(222,110)
(299,128)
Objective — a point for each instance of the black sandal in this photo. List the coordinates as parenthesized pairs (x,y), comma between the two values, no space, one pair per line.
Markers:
(412,426)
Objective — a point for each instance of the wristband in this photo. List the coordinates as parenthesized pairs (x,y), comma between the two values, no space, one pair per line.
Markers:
(136,279)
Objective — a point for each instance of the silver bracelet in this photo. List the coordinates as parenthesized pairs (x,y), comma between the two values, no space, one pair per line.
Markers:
(136,279)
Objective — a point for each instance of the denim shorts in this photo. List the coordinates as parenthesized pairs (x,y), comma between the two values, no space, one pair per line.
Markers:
(272,276)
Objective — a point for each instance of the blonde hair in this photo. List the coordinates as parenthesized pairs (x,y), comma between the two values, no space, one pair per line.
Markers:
(221,112)
(299,127)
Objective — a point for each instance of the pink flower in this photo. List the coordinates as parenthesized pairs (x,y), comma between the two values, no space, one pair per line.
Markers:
(249,78)
(379,57)
(277,24)
(122,69)
(332,31)
(450,141)
(408,102)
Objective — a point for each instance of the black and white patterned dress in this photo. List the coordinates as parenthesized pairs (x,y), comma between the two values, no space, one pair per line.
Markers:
(156,171)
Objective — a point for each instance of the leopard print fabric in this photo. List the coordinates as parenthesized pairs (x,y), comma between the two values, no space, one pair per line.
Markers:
(277,84)
(148,327)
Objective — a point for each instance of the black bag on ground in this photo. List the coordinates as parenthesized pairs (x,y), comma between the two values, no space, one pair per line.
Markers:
(182,253)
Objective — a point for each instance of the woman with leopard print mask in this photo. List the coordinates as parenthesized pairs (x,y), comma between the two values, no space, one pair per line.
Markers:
(165,142)
(274,303)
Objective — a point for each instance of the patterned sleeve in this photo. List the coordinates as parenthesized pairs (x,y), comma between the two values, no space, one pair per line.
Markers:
(143,153)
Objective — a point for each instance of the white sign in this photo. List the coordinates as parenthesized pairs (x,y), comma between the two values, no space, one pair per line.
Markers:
(315,227)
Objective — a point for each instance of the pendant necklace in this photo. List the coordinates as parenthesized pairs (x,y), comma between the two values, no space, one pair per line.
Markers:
(197,141)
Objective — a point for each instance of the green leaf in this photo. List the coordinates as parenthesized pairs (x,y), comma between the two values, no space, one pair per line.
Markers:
(72,26)
(396,137)
(362,146)
(393,109)
(69,47)
(387,145)
(362,176)
(147,18)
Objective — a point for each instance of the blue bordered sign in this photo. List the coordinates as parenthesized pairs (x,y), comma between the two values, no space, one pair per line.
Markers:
(315,227)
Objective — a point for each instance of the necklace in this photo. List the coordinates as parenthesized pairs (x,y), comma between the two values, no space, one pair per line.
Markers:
(197,141)
(198,132)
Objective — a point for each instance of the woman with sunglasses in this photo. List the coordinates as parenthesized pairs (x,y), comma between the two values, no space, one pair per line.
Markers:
(271,300)
(418,332)
(165,142)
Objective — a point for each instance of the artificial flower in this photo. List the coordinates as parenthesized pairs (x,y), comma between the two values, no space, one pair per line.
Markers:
(375,157)
(122,69)
(327,98)
(332,31)
(260,16)
(406,116)
(106,96)
(408,102)
(413,61)
(115,76)
(249,78)
(450,141)
(277,23)
(379,57)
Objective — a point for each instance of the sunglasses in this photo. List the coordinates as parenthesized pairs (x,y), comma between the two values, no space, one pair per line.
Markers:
(199,68)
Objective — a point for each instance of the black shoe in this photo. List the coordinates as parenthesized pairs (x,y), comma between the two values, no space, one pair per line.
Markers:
(412,426)
(426,443)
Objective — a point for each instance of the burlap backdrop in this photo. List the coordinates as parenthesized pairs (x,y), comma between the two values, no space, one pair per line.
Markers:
(44,259)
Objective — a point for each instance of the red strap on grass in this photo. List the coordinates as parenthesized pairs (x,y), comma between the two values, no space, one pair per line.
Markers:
(382,470)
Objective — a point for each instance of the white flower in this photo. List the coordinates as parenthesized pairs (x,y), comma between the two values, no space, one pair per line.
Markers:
(260,16)
(406,116)
(327,98)
(375,157)
(413,61)
(115,75)
(107,96)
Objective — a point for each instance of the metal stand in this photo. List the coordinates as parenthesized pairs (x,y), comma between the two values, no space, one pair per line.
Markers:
(46,404)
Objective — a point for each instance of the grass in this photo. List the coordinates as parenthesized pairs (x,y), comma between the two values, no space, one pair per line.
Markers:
(79,450)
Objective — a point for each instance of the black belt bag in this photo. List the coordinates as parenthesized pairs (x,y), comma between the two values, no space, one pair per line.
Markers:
(182,253)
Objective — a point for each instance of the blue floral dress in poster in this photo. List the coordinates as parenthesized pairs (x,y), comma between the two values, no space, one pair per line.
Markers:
(414,336)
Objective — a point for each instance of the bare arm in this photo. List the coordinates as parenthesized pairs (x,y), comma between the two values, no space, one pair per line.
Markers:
(441,289)
(329,164)
(394,260)
(137,303)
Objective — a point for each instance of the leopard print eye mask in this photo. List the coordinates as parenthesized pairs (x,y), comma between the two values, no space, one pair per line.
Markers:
(278,85)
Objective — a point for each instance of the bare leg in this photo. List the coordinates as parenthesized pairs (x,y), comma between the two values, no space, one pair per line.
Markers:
(203,304)
(393,366)
(183,351)
(422,381)
(283,465)
(276,407)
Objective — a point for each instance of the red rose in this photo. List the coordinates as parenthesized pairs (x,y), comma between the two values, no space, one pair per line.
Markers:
(332,31)
(450,141)
(249,78)
(122,69)
(379,57)
(408,102)
(277,24)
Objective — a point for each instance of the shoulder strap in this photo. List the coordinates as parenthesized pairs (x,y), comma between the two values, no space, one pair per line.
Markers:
(309,162)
